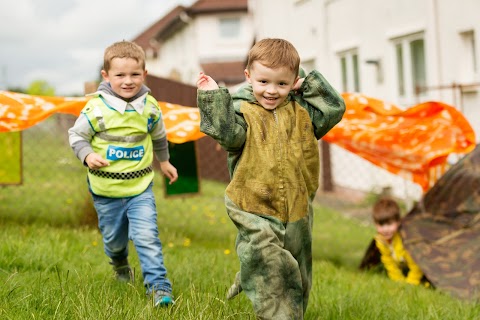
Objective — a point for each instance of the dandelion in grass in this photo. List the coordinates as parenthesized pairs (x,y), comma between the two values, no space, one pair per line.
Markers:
(170,245)
(210,215)
(187,242)
(226,251)
(94,243)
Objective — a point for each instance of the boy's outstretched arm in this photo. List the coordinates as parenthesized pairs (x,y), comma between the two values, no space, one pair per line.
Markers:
(79,137)
(218,118)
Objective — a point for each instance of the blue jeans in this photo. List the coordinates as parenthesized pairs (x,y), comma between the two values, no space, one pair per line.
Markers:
(134,218)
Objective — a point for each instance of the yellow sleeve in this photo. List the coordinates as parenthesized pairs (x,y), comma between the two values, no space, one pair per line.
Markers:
(414,273)
(393,268)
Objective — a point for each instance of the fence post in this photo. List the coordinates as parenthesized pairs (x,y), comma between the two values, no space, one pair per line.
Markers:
(327,181)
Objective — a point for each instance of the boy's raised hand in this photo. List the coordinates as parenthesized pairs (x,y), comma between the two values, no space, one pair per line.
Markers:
(298,84)
(205,82)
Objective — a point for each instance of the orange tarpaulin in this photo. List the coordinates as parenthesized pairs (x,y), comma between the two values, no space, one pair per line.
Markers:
(21,111)
(413,143)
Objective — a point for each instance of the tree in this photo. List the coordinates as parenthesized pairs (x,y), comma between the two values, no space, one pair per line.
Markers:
(40,88)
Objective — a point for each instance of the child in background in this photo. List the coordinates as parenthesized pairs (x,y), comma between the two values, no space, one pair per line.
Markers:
(115,136)
(270,129)
(396,260)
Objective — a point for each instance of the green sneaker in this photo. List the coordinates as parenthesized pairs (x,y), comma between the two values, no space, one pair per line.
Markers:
(163,299)
(122,270)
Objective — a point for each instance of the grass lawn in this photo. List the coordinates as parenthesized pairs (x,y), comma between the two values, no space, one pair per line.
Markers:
(52,264)
(60,272)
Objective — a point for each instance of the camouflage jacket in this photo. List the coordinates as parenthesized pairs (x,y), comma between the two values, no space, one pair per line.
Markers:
(273,154)
(222,119)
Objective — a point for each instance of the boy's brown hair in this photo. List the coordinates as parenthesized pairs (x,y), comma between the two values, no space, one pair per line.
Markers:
(386,210)
(274,53)
(123,49)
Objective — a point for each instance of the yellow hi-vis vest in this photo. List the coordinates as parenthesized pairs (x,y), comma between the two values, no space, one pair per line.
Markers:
(124,140)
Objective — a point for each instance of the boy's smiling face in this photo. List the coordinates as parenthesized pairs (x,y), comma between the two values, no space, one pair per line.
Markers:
(270,86)
(126,76)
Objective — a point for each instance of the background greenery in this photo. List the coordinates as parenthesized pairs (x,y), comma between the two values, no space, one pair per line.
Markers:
(10,166)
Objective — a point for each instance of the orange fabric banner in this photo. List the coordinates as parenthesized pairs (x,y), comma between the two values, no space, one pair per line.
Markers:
(21,111)
(414,143)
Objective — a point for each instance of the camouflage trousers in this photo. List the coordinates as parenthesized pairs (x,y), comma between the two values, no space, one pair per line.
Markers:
(275,262)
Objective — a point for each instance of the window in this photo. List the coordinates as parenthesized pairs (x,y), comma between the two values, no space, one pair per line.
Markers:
(400,74)
(468,65)
(350,71)
(410,67)
(419,78)
(229,27)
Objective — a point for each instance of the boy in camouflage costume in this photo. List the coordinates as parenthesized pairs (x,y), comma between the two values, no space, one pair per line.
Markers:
(270,130)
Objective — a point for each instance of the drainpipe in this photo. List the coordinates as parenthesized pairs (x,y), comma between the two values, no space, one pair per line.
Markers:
(438,51)
(326,163)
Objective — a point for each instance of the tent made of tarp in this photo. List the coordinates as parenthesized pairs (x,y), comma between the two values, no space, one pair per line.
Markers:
(442,232)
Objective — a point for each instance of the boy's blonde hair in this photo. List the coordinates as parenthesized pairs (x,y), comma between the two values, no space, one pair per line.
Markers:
(123,49)
(274,53)
(386,210)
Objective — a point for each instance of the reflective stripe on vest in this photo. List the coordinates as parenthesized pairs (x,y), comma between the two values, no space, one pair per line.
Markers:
(98,114)
(108,137)
(122,175)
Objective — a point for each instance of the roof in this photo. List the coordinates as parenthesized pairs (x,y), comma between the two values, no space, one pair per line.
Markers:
(144,39)
(215,6)
(229,73)
(178,17)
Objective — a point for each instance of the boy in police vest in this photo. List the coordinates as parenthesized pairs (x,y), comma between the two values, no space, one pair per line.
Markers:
(115,136)
(270,129)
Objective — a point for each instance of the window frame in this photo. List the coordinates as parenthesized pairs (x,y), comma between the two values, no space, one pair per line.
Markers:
(468,67)
(350,70)
(225,30)
(409,81)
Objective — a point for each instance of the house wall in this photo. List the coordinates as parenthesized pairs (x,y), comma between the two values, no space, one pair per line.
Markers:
(456,67)
(178,57)
(328,27)
(211,47)
(198,42)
